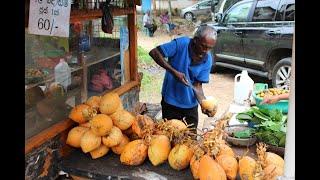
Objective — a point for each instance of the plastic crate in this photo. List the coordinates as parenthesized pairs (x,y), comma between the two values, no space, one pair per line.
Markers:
(281,105)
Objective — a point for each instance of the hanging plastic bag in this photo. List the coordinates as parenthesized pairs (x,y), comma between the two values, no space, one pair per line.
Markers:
(107,19)
(62,74)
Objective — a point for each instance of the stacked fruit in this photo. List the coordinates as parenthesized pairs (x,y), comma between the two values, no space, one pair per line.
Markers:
(271,92)
(105,125)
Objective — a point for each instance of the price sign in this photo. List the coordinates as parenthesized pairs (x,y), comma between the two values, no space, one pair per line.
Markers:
(49,17)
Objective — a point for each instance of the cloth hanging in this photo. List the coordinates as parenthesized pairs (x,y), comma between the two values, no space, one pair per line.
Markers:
(107,19)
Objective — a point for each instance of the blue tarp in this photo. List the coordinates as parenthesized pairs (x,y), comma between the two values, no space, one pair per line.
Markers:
(146,5)
(124,45)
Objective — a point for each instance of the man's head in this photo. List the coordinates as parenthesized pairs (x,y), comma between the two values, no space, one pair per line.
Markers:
(203,41)
(148,12)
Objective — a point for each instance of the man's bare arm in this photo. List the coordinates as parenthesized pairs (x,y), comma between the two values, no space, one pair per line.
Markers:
(159,59)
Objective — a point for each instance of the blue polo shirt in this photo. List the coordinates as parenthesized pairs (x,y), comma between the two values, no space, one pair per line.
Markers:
(178,53)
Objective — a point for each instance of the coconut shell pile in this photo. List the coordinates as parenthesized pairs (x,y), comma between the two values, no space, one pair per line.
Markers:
(104,125)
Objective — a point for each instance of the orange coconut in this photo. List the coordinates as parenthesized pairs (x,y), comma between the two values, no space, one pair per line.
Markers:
(75,135)
(272,158)
(99,152)
(101,124)
(134,153)
(113,138)
(180,156)
(271,172)
(229,164)
(209,169)
(77,115)
(247,166)
(119,148)
(159,149)
(140,123)
(109,103)
(90,141)
(225,149)
(194,166)
(210,104)
(94,102)
(176,123)
(122,119)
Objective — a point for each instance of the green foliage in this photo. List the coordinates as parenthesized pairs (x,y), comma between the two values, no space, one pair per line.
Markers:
(244,133)
(270,124)
(143,56)
(151,82)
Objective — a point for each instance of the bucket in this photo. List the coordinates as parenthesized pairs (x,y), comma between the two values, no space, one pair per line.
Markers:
(260,86)
(243,87)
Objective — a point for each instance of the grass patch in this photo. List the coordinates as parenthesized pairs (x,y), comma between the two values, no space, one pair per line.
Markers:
(151,83)
(144,57)
(150,87)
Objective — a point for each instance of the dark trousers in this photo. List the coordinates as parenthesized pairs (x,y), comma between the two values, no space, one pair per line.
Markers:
(173,112)
(152,28)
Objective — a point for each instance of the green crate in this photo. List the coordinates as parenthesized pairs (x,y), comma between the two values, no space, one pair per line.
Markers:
(281,105)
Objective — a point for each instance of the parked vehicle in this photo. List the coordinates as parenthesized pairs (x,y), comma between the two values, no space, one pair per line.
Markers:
(222,6)
(257,35)
(201,8)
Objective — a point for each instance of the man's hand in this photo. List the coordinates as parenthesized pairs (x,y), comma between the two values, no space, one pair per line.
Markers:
(207,112)
(181,77)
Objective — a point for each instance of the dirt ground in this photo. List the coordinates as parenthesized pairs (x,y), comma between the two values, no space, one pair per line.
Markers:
(220,86)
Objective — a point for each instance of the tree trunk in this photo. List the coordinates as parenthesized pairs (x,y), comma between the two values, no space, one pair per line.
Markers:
(154,8)
(170,9)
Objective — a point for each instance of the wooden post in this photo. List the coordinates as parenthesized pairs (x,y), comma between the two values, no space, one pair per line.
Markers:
(289,156)
(133,45)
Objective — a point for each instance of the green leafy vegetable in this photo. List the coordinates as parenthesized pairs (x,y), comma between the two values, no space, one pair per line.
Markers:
(244,117)
(270,125)
(243,134)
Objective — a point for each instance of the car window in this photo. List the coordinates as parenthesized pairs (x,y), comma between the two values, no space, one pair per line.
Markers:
(220,3)
(265,10)
(289,15)
(285,11)
(205,4)
(239,13)
(228,4)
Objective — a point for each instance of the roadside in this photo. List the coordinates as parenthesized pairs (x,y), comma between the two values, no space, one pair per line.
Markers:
(220,86)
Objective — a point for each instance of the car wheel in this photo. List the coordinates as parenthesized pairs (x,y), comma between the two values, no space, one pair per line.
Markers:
(281,74)
(188,16)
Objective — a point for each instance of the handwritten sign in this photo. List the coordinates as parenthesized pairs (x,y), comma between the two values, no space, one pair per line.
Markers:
(49,17)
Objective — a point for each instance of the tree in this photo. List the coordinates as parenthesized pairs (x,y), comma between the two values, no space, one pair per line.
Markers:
(154,8)
(170,9)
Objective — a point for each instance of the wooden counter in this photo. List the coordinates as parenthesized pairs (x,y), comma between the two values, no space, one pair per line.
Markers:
(109,167)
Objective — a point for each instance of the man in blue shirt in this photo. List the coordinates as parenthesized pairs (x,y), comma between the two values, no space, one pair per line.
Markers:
(188,66)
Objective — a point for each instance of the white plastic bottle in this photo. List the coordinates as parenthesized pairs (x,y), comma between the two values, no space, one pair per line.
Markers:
(243,87)
(62,74)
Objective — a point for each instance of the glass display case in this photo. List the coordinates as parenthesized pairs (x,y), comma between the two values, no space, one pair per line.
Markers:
(63,72)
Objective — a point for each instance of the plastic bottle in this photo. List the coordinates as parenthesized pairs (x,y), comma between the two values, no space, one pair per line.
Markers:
(243,87)
(62,74)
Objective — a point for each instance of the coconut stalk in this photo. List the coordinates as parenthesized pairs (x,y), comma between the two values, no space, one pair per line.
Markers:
(176,135)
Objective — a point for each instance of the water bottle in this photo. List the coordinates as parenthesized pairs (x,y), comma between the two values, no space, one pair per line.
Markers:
(243,87)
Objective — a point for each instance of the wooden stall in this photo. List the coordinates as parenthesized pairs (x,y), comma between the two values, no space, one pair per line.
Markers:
(87,51)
